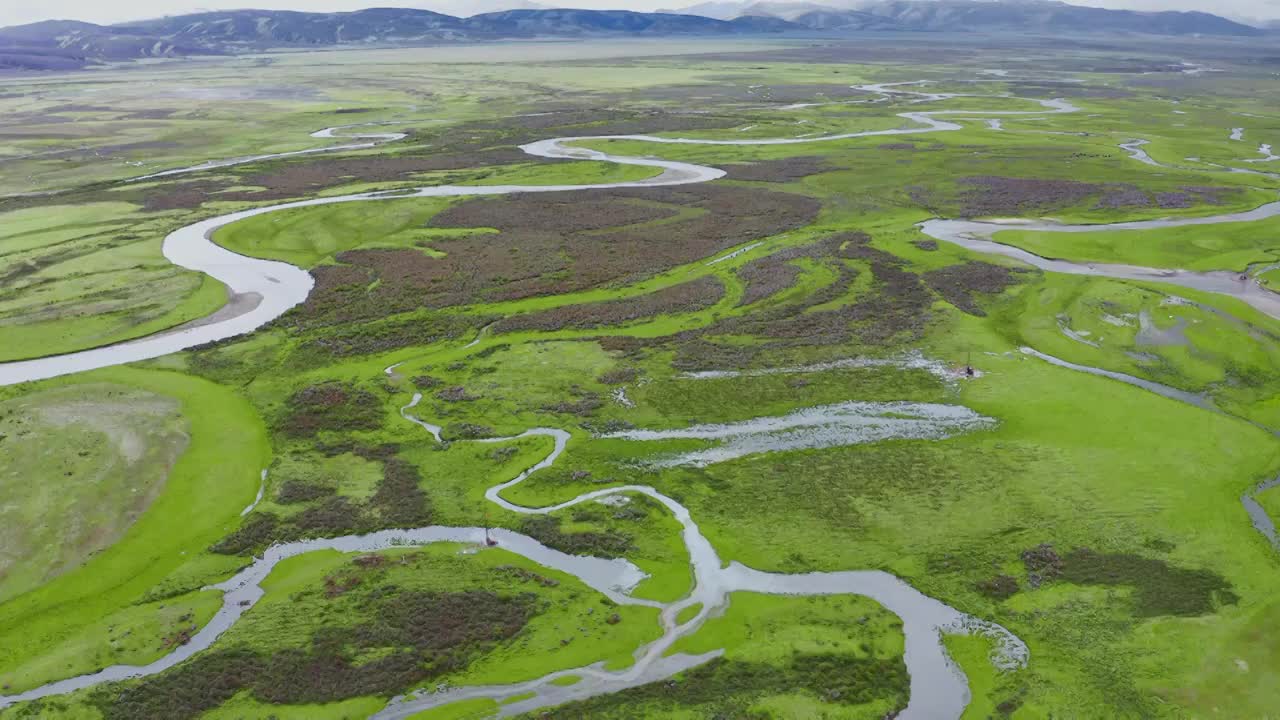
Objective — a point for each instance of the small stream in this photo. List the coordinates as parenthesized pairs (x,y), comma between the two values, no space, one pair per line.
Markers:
(263,290)
(372,140)
(1258,515)
(842,424)
(977,236)
(267,289)
(1172,393)
(939,690)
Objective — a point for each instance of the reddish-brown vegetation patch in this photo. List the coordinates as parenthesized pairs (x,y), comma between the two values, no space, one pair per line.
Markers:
(959,284)
(335,516)
(765,278)
(777,171)
(398,502)
(426,382)
(546,530)
(584,404)
(467,431)
(992,195)
(687,297)
(353,338)
(399,499)
(619,376)
(296,491)
(1125,196)
(1159,587)
(1042,563)
(895,309)
(331,406)
(564,213)
(526,575)
(1212,195)
(414,635)
(770,275)
(480,145)
(897,305)
(550,244)
(1000,587)
(730,688)
(286,180)
(455,394)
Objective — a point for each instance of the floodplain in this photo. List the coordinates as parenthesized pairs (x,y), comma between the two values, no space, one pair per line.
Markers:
(758,446)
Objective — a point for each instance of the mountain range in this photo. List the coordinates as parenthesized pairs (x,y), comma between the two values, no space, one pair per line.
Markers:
(70,44)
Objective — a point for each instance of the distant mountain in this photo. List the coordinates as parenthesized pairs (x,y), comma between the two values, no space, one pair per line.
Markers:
(847,20)
(47,29)
(1042,16)
(68,44)
(468,8)
(731,9)
(525,23)
(63,44)
(1046,17)
(262,28)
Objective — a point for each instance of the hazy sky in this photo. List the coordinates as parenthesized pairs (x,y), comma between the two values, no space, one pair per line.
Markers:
(21,11)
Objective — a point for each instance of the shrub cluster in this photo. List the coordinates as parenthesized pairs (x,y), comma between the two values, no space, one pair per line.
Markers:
(548,244)
(782,170)
(330,406)
(729,688)
(546,530)
(959,284)
(398,502)
(415,635)
(684,298)
(1160,588)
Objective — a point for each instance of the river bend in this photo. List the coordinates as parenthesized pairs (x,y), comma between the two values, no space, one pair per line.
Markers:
(265,289)
(938,688)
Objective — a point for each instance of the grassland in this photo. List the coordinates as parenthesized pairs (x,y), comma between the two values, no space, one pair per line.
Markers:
(118,447)
(1099,522)
(307,238)
(91,275)
(73,623)
(784,657)
(1228,246)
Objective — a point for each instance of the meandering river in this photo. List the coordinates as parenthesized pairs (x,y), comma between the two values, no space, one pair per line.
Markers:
(263,290)
(939,689)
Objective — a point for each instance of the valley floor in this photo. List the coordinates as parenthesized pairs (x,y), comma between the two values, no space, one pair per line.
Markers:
(695,411)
